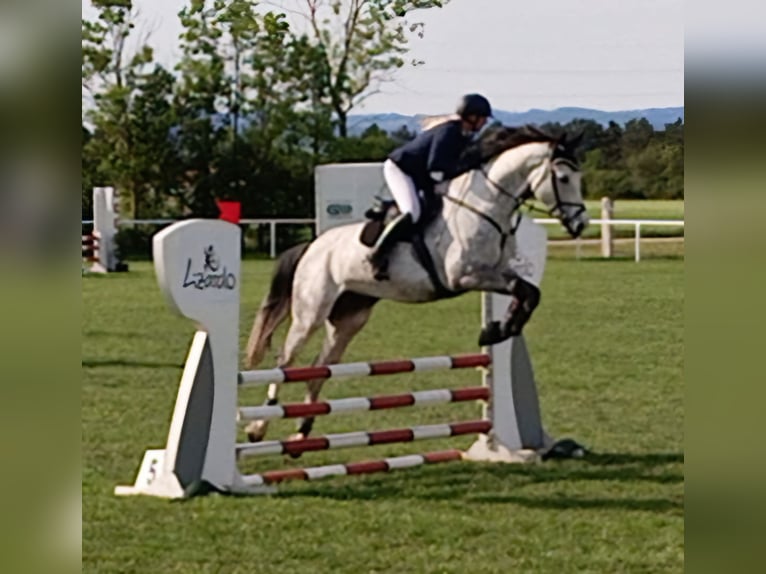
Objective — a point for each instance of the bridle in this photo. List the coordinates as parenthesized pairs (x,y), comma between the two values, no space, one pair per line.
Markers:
(523,195)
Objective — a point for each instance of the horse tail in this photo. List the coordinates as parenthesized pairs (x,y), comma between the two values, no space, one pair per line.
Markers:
(275,306)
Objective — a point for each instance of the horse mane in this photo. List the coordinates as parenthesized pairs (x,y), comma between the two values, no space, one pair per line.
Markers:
(500,138)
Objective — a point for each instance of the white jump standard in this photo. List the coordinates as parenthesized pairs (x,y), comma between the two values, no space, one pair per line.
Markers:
(198,269)
(98,247)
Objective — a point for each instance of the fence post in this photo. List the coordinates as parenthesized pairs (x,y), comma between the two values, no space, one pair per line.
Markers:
(638,243)
(607,211)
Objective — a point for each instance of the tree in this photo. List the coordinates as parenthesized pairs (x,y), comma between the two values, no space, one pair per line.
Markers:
(124,146)
(374,144)
(152,118)
(361,42)
(89,175)
(592,134)
(636,136)
(611,146)
(402,135)
(104,44)
(200,101)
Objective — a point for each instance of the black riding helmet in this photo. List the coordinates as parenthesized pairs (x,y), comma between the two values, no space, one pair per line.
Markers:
(474,105)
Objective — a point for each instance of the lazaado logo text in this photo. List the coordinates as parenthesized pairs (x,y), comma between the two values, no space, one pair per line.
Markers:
(212,275)
(339,209)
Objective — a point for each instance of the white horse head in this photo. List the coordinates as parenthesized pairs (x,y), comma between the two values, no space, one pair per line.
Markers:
(552,175)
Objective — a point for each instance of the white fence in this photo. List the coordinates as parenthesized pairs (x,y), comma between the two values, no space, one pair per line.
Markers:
(272,223)
(635,223)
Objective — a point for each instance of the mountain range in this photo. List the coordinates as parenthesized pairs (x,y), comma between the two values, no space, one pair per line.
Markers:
(658,117)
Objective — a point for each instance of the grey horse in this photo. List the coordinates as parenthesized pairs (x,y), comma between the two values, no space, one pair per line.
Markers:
(471,243)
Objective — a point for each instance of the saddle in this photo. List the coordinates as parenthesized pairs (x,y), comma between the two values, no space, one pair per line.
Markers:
(378,217)
(385,210)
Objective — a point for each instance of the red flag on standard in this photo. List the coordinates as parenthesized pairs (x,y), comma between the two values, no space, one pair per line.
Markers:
(230,210)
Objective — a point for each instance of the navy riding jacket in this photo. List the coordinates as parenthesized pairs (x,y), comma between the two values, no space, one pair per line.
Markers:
(435,150)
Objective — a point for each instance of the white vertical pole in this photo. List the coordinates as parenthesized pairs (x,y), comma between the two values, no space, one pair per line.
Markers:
(607,211)
(105,229)
(638,243)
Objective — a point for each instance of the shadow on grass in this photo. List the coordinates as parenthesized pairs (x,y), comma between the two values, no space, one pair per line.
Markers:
(474,483)
(96,363)
(100,333)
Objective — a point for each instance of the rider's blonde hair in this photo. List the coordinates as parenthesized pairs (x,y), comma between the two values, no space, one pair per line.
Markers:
(433,121)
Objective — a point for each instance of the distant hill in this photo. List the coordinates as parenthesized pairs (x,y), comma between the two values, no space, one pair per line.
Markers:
(658,117)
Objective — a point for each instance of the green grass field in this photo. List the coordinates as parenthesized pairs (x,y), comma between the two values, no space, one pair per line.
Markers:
(607,344)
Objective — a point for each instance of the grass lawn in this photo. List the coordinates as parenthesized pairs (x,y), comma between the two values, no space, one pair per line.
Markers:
(607,344)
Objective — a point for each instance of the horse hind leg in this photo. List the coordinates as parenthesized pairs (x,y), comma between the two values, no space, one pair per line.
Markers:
(349,315)
(308,316)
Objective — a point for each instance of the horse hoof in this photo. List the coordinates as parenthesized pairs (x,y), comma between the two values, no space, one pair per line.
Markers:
(492,334)
(255,432)
(295,437)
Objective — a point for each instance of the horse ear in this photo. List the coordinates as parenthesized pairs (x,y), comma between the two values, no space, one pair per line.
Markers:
(575,142)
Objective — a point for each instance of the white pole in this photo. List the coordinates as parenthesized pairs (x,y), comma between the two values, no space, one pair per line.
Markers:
(638,242)
(607,211)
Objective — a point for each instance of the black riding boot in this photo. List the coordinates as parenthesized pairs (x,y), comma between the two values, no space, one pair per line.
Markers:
(396,230)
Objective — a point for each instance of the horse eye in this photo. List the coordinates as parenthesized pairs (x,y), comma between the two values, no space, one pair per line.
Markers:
(564,178)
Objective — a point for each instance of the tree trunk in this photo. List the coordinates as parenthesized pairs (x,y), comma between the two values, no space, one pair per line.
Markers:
(342,123)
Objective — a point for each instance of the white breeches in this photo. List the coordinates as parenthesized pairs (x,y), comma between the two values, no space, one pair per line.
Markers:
(403,189)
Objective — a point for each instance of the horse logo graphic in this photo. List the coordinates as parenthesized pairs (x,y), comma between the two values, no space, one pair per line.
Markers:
(211,259)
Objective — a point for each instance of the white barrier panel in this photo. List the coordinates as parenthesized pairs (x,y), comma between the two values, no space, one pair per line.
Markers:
(345,191)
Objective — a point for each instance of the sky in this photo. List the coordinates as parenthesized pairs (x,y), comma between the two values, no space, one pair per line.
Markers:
(603,54)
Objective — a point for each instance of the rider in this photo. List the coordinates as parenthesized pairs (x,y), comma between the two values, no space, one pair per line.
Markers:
(420,164)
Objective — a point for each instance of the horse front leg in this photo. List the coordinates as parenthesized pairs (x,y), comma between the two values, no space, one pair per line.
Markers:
(525,297)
